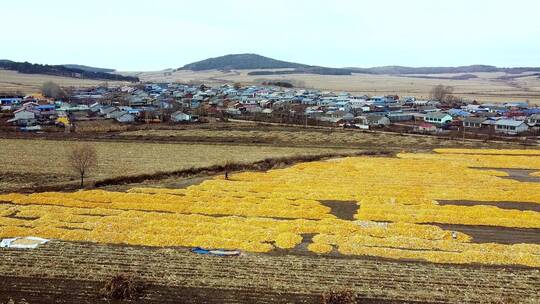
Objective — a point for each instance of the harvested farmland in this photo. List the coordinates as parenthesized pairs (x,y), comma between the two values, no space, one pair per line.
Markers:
(44,160)
(397,218)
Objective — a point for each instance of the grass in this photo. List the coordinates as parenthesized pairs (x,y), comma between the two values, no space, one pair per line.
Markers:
(29,163)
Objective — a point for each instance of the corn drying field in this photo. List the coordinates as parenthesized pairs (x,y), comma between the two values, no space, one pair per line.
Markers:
(398,214)
(451,226)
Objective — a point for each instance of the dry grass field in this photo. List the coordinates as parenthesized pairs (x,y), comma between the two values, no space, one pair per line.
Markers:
(29,163)
(12,81)
(487,87)
(283,136)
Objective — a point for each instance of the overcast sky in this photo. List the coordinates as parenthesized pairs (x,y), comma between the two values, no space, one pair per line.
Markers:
(159,34)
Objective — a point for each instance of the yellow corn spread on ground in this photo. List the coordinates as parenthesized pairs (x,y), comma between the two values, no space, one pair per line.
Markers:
(261,211)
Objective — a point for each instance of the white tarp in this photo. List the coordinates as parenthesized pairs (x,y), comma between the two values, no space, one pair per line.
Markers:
(29,242)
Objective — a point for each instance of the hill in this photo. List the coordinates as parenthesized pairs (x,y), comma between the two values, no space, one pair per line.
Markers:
(241,62)
(402,70)
(258,62)
(60,70)
(88,68)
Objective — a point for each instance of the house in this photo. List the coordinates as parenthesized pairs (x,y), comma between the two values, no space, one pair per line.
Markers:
(23,118)
(115,114)
(125,118)
(180,116)
(233,112)
(340,114)
(458,113)
(473,122)
(47,111)
(28,106)
(374,120)
(534,120)
(510,126)
(399,116)
(267,111)
(106,110)
(438,118)
(426,128)
(95,107)
(381,100)
(10,100)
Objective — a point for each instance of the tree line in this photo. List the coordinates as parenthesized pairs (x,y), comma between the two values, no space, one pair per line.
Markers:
(60,70)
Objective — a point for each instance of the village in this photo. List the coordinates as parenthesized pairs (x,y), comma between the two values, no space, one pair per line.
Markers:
(173,103)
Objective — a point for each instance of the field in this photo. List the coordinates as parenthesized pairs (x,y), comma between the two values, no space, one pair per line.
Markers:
(171,148)
(494,87)
(12,81)
(62,272)
(44,160)
(449,226)
(250,133)
(487,87)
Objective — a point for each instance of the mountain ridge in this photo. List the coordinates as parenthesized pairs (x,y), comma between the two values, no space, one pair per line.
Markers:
(250,61)
(88,68)
(246,61)
(61,70)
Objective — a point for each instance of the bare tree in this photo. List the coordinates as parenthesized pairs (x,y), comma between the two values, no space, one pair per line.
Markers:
(82,159)
(440,92)
(53,90)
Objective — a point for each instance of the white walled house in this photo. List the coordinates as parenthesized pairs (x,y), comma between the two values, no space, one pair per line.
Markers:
(438,118)
(510,126)
(23,118)
(180,117)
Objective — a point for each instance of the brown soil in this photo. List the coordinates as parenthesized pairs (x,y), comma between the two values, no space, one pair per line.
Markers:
(521,175)
(492,234)
(523,206)
(54,290)
(169,183)
(344,210)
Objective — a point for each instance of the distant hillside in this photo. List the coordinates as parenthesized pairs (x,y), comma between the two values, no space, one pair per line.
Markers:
(258,62)
(88,68)
(401,70)
(241,62)
(60,70)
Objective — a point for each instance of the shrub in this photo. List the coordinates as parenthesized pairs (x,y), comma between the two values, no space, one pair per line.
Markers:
(344,296)
(122,287)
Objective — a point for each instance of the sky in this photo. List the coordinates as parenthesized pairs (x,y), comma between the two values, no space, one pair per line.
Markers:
(159,34)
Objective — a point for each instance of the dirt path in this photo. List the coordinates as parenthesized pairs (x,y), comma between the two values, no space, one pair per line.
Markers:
(344,210)
(493,234)
(503,205)
(522,175)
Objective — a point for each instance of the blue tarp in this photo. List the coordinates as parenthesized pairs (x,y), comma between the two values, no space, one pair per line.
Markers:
(531,111)
(218,252)
(458,112)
